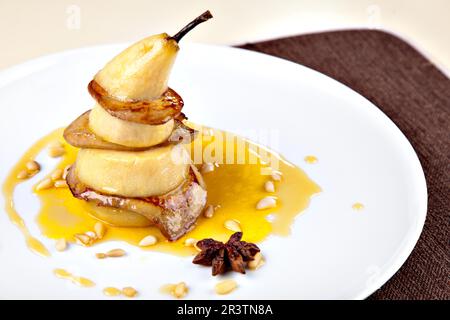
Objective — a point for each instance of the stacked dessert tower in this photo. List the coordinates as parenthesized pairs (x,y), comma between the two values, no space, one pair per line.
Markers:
(132,168)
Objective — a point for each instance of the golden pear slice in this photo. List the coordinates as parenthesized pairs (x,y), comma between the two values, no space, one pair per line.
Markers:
(126,133)
(78,134)
(140,72)
(147,173)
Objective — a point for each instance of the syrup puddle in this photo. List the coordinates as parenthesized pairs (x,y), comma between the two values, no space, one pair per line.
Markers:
(233,188)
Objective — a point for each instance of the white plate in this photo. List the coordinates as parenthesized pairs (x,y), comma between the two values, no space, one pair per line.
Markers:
(334,252)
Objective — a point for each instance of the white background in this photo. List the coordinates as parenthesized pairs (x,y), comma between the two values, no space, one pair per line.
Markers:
(32,28)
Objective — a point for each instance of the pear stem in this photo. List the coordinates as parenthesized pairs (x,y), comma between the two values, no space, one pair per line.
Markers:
(205,16)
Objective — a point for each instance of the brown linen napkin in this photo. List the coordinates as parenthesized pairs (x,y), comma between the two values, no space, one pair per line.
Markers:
(411,91)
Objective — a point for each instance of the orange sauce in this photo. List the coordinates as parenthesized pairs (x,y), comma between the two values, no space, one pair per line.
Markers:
(80,281)
(311,159)
(8,190)
(358,206)
(233,188)
(167,289)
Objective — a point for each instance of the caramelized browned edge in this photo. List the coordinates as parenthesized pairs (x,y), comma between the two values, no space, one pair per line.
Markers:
(80,190)
(154,112)
(78,134)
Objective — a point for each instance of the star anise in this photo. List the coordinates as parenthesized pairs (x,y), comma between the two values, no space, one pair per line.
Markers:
(232,255)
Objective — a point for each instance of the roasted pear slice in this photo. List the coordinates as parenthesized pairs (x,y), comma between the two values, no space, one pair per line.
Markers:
(174,213)
(133,85)
(80,135)
(155,112)
(126,133)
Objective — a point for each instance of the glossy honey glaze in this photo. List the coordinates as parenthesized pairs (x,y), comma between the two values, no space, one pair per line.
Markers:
(8,190)
(311,159)
(80,281)
(233,188)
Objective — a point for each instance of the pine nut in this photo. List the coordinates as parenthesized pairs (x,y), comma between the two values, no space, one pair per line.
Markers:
(207,167)
(225,287)
(60,184)
(61,245)
(100,230)
(276,176)
(115,253)
(167,288)
(148,241)
(56,151)
(129,292)
(100,255)
(44,184)
(198,176)
(33,166)
(23,174)
(83,239)
(233,225)
(56,174)
(257,261)
(269,186)
(190,242)
(197,248)
(180,290)
(112,292)
(209,211)
(66,171)
(265,203)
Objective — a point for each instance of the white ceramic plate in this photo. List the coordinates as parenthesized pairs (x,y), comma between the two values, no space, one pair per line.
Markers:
(334,252)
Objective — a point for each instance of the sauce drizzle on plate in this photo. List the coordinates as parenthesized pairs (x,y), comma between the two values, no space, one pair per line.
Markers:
(233,189)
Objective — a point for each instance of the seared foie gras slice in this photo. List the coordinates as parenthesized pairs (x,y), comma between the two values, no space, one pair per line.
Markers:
(174,213)
(78,134)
